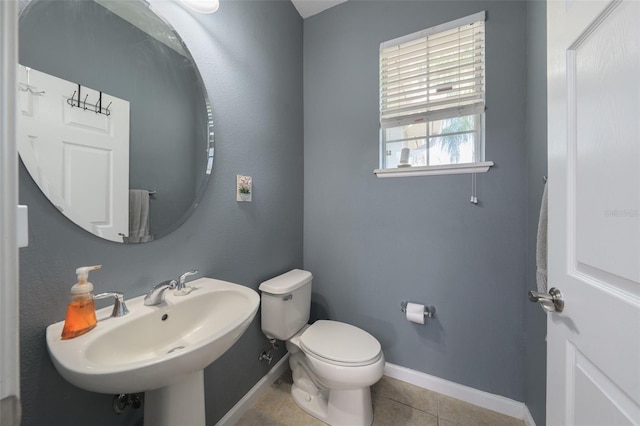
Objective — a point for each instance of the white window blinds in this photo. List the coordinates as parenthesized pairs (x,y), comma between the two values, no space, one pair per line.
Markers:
(433,74)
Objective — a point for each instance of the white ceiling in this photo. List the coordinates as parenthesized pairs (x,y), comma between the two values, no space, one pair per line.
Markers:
(308,8)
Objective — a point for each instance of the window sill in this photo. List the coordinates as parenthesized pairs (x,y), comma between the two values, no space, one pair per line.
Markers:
(449,169)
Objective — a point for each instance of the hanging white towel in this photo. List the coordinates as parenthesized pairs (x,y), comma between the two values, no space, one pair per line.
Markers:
(541,245)
(138,216)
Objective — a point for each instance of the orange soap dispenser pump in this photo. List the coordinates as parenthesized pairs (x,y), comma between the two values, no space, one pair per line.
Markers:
(81,312)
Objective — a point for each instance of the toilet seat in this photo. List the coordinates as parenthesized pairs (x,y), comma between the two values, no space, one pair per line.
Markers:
(340,344)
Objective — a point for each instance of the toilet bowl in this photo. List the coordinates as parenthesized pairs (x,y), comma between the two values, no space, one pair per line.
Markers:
(333,364)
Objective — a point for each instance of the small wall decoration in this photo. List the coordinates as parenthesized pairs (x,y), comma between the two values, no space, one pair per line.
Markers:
(243,188)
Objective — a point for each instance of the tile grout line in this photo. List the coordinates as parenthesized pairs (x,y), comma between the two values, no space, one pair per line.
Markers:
(411,406)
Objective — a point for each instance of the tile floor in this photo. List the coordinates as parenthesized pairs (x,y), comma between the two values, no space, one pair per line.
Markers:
(394,403)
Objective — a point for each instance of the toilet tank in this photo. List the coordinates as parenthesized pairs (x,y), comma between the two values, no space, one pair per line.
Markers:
(285,303)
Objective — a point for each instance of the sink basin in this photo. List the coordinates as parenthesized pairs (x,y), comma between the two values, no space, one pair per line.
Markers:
(155,347)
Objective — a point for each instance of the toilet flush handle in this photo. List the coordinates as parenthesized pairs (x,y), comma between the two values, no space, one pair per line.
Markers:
(287,297)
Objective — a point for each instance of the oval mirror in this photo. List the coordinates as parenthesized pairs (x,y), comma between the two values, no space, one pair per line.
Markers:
(114,123)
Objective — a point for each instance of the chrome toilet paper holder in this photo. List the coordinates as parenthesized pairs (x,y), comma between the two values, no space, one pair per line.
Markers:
(429,311)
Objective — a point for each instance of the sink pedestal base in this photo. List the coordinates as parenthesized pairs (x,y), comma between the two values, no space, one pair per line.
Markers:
(181,403)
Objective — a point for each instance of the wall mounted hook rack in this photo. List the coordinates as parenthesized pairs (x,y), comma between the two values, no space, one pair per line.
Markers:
(75,101)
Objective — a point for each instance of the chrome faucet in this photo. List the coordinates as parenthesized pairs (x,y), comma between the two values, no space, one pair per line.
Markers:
(119,307)
(155,296)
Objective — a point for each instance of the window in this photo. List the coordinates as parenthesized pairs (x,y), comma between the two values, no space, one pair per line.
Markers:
(432,90)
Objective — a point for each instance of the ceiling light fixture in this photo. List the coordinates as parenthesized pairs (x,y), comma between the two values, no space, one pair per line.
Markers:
(202,6)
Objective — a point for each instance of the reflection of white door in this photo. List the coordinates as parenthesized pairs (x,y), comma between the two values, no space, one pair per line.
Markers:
(593,359)
(78,158)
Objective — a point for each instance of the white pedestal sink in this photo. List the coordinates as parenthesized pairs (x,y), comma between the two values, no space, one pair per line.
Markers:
(161,350)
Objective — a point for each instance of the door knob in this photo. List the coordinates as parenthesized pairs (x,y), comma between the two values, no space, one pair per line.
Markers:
(551,302)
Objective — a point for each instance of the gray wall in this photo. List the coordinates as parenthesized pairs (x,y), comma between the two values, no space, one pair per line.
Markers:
(371,243)
(536,155)
(167,109)
(250,54)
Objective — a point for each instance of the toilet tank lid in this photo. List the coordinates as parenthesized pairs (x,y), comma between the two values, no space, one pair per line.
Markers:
(286,282)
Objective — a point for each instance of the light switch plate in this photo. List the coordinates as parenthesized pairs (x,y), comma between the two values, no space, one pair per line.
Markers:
(22,219)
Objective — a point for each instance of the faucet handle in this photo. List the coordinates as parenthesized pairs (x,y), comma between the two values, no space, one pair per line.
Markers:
(183,278)
(119,307)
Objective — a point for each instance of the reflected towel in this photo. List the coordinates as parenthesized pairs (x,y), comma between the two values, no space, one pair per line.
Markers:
(541,245)
(138,216)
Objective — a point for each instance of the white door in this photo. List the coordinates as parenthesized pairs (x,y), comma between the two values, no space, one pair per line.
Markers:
(9,296)
(78,158)
(593,359)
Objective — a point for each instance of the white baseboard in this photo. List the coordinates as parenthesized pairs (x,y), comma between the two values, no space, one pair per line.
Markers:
(473,396)
(255,393)
(528,418)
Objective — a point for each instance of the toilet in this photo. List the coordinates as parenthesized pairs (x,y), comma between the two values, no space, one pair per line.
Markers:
(333,364)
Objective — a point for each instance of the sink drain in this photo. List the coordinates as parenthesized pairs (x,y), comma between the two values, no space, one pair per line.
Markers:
(177,348)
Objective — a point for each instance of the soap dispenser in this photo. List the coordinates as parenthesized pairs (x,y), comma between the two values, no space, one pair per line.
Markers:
(81,312)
